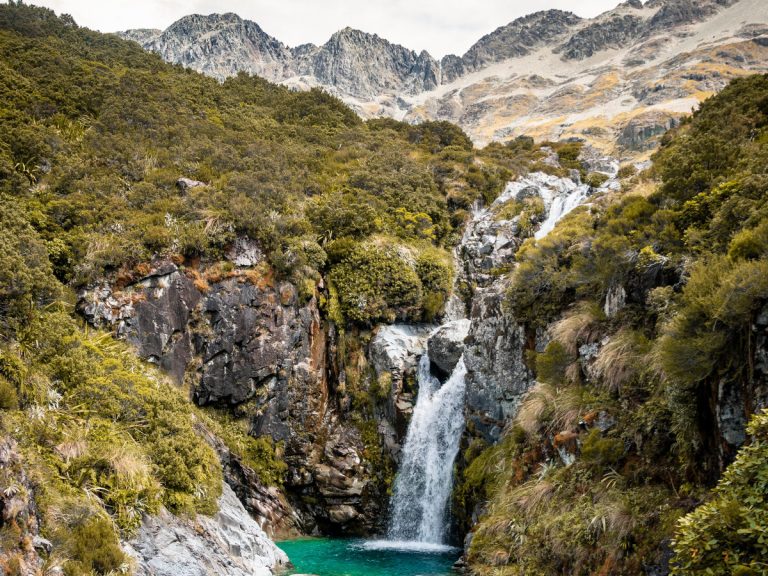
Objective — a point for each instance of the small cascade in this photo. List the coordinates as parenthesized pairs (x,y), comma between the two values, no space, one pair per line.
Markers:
(423,486)
(425,479)
(561,205)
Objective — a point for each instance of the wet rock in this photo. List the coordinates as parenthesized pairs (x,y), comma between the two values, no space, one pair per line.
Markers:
(497,376)
(342,514)
(332,482)
(393,353)
(446,345)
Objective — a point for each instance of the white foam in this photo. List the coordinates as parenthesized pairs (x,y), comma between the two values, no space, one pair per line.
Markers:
(425,479)
(407,546)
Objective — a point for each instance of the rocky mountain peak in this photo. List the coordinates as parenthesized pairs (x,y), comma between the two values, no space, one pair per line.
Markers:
(545,65)
(365,65)
(518,38)
(219,45)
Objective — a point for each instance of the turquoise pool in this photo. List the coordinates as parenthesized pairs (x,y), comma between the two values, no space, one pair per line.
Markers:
(338,557)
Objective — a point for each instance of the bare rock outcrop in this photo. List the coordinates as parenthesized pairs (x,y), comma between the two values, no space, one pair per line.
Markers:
(229,543)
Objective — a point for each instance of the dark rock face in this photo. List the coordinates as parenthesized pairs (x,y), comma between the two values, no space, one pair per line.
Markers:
(612,33)
(236,342)
(735,402)
(678,12)
(446,346)
(251,339)
(352,62)
(518,38)
(642,133)
(153,317)
(220,45)
(451,67)
(267,503)
(497,376)
(365,65)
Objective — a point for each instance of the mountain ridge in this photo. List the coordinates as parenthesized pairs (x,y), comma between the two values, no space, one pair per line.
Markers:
(538,75)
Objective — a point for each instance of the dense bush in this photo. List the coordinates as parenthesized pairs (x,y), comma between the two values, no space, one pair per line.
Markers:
(727,534)
(376,283)
(630,400)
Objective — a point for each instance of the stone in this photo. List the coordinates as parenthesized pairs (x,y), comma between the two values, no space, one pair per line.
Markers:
(185,184)
(245,253)
(40,543)
(446,345)
(229,543)
(615,300)
(342,513)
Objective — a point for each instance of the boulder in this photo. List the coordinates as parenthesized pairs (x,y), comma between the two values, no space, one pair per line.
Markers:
(184,184)
(230,543)
(446,345)
(342,513)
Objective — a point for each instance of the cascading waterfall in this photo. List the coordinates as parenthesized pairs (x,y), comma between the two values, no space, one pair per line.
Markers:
(420,503)
(562,205)
(425,479)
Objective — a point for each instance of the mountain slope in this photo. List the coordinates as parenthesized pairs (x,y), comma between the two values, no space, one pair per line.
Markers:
(617,80)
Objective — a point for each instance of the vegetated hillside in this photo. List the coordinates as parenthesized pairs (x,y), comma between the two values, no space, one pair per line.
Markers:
(95,135)
(642,402)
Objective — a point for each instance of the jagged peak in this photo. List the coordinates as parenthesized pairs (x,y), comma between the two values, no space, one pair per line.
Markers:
(210,22)
(354,35)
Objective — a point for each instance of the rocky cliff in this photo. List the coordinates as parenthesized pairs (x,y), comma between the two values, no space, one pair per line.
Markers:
(229,543)
(550,74)
(251,346)
(352,63)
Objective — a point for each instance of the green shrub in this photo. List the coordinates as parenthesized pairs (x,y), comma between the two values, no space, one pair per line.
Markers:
(601,452)
(93,548)
(261,454)
(375,283)
(727,534)
(596,179)
(627,171)
(9,399)
(435,273)
(552,364)
(568,154)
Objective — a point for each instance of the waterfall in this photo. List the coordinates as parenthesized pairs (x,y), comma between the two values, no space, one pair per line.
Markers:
(425,479)
(560,206)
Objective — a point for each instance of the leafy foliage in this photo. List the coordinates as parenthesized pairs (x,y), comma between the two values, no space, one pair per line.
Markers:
(629,399)
(727,534)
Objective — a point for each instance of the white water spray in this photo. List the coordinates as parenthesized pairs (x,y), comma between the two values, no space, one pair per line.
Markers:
(560,206)
(424,482)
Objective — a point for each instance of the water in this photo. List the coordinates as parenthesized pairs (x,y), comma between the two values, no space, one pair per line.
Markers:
(336,557)
(560,206)
(424,481)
